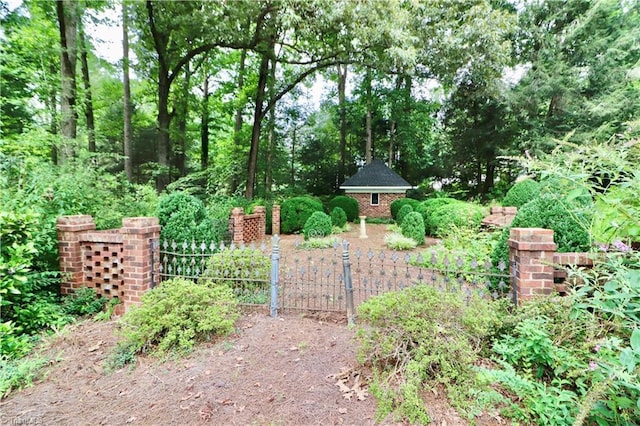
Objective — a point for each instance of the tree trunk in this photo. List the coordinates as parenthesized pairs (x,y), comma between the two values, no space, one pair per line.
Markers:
(369,143)
(128,133)
(394,124)
(88,102)
(235,178)
(180,147)
(488,179)
(51,105)
(252,164)
(164,121)
(293,157)
(68,23)
(342,107)
(204,127)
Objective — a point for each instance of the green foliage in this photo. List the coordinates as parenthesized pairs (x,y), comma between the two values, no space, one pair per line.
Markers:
(13,343)
(348,204)
(183,217)
(319,243)
(318,225)
(83,301)
(521,193)
(18,374)
(295,212)
(413,227)
(397,241)
(551,212)
(245,270)
(459,215)
(176,315)
(404,210)
(396,205)
(427,207)
(424,337)
(338,217)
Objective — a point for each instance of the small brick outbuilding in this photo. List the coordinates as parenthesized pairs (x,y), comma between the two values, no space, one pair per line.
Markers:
(375,187)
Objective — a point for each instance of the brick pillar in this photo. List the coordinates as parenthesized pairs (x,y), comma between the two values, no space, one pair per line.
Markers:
(237,225)
(137,234)
(531,253)
(261,211)
(70,230)
(275,220)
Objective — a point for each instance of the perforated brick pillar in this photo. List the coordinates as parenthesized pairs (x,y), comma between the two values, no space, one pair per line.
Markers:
(531,256)
(237,225)
(137,235)
(275,220)
(261,211)
(70,230)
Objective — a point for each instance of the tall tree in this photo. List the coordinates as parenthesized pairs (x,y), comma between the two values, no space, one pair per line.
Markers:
(86,82)
(67,11)
(128,130)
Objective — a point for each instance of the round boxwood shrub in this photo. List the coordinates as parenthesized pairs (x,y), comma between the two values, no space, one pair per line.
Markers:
(455,215)
(521,193)
(550,212)
(183,217)
(413,227)
(295,212)
(427,207)
(338,217)
(348,204)
(405,210)
(318,225)
(396,205)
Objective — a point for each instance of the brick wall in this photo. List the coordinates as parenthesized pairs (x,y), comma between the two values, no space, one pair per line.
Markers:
(247,228)
(382,210)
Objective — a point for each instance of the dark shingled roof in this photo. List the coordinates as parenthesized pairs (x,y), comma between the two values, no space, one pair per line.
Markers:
(376,174)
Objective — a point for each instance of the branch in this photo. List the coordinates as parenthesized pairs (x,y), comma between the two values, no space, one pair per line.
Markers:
(156,36)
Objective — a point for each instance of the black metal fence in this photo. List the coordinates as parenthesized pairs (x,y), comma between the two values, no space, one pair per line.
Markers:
(334,279)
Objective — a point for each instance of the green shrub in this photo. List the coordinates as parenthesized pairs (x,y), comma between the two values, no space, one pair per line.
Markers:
(13,343)
(295,212)
(83,301)
(245,270)
(404,210)
(396,205)
(455,215)
(427,207)
(413,227)
(551,212)
(183,217)
(17,374)
(338,217)
(521,193)
(176,315)
(348,204)
(318,225)
(420,337)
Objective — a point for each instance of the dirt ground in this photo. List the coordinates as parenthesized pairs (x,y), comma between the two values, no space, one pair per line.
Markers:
(289,370)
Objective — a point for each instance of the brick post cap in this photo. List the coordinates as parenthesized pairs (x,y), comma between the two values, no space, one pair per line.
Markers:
(531,235)
(259,209)
(276,206)
(81,222)
(237,211)
(497,210)
(140,222)
(510,210)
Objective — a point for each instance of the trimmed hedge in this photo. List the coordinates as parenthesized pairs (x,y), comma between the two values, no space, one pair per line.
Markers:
(405,210)
(348,204)
(183,217)
(396,205)
(338,217)
(521,193)
(413,227)
(459,215)
(295,212)
(318,225)
(427,207)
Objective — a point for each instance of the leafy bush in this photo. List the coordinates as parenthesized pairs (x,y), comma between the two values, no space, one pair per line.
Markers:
(521,193)
(19,373)
(405,210)
(422,336)
(295,212)
(338,217)
(318,225)
(397,241)
(245,270)
(176,315)
(83,301)
(13,343)
(426,208)
(413,227)
(348,204)
(396,205)
(183,217)
(551,212)
(455,215)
